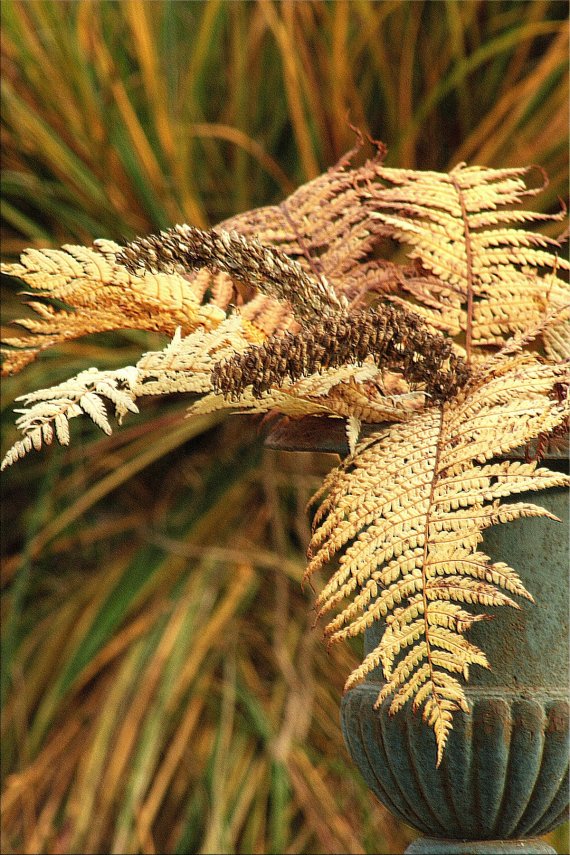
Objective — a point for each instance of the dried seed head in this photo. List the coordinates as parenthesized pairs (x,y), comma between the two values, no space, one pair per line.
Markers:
(394,337)
(272,272)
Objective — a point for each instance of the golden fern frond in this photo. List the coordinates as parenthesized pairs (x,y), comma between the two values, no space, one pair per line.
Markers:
(325,226)
(101,295)
(556,336)
(260,316)
(268,315)
(335,247)
(186,366)
(311,395)
(406,514)
(183,366)
(48,411)
(382,398)
(315,249)
(485,273)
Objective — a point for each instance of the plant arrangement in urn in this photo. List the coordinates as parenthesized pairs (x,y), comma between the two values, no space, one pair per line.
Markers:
(452,360)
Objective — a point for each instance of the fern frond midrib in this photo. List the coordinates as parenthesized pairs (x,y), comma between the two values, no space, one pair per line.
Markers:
(425,557)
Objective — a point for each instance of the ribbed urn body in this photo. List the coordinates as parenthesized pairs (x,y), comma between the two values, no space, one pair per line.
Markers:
(504,774)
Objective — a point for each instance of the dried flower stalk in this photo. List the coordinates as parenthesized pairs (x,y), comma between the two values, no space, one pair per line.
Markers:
(187,248)
(394,337)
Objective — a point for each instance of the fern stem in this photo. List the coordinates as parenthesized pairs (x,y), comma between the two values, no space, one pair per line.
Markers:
(425,564)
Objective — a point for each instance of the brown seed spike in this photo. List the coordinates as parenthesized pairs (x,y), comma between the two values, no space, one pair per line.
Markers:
(268,269)
(393,336)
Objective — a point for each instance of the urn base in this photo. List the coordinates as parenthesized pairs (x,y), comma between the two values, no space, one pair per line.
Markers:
(435,846)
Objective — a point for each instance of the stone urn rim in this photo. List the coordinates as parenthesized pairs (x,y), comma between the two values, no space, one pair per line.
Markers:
(327,434)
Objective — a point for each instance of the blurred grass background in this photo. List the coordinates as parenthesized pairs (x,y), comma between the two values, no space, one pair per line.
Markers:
(162,687)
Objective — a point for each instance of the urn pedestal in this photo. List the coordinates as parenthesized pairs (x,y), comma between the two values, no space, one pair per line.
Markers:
(503,780)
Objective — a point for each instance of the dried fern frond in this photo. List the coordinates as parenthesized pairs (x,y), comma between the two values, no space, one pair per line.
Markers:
(101,295)
(315,249)
(383,398)
(183,366)
(556,336)
(325,225)
(185,248)
(395,338)
(188,365)
(310,395)
(480,268)
(357,393)
(406,514)
(406,511)
(47,412)
(485,273)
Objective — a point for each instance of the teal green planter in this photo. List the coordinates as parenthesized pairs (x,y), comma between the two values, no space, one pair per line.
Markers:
(504,775)
(503,781)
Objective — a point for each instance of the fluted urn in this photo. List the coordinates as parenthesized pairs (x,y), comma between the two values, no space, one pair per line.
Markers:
(503,781)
